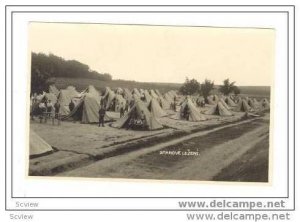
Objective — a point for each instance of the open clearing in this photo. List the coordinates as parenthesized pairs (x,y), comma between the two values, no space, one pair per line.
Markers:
(221,149)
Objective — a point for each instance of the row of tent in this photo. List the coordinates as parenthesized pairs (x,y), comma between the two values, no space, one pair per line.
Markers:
(88,102)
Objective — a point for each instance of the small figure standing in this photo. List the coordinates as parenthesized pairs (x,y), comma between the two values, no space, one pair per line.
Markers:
(57,108)
(102,112)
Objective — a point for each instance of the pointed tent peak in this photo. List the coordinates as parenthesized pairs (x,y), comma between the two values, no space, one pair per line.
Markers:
(53,89)
(190,112)
(138,117)
(127,94)
(136,92)
(229,101)
(153,94)
(106,90)
(210,101)
(252,102)
(147,96)
(165,104)
(120,102)
(155,109)
(158,93)
(87,110)
(119,91)
(219,109)
(91,89)
(265,103)
(242,106)
(109,99)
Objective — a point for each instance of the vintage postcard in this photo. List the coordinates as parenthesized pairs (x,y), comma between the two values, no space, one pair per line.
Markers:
(150,102)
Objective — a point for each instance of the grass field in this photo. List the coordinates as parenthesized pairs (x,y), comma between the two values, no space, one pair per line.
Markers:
(81,84)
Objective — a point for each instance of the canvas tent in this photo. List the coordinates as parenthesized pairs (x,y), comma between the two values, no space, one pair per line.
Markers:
(210,101)
(38,146)
(119,91)
(51,97)
(265,104)
(229,101)
(158,93)
(147,96)
(164,103)
(136,92)
(253,103)
(155,108)
(132,118)
(193,113)
(93,91)
(243,106)
(224,104)
(168,96)
(110,100)
(107,89)
(64,98)
(119,102)
(87,110)
(53,89)
(153,94)
(127,94)
(219,109)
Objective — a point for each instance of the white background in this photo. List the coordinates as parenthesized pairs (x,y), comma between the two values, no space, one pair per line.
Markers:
(91,187)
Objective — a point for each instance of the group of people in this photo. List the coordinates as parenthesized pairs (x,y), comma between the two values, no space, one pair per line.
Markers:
(45,109)
(137,121)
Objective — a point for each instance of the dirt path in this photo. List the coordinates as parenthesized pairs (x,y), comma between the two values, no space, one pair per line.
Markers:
(212,151)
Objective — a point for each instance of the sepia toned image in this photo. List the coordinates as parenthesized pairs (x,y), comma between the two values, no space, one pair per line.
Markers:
(150,102)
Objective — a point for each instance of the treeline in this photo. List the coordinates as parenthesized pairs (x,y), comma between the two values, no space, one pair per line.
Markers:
(192,86)
(45,67)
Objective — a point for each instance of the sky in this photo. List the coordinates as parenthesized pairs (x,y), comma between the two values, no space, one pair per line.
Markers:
(162,53)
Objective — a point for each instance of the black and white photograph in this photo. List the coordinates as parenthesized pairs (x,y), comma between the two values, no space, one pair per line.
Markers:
(152,102)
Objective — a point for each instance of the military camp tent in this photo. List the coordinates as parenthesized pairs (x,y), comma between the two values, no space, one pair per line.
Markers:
(127,94)
(210,101)
(153,94)
(253,103)
(132,119)
(188,107)
(168,96)
(136,92)
(158,93)
(64,98)
(147,97)
(155,108)
(223,103)
(119,102)
(38,146)
(215,98)
(119,91)
(219,109)
(86,111)
(105,93)
(53,89)
(242,106)
(93,91)
(110,100)
(164,103)
(229,101)
(265,104)
(51,97)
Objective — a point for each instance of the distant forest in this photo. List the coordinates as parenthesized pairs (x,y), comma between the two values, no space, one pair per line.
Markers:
(46,67)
